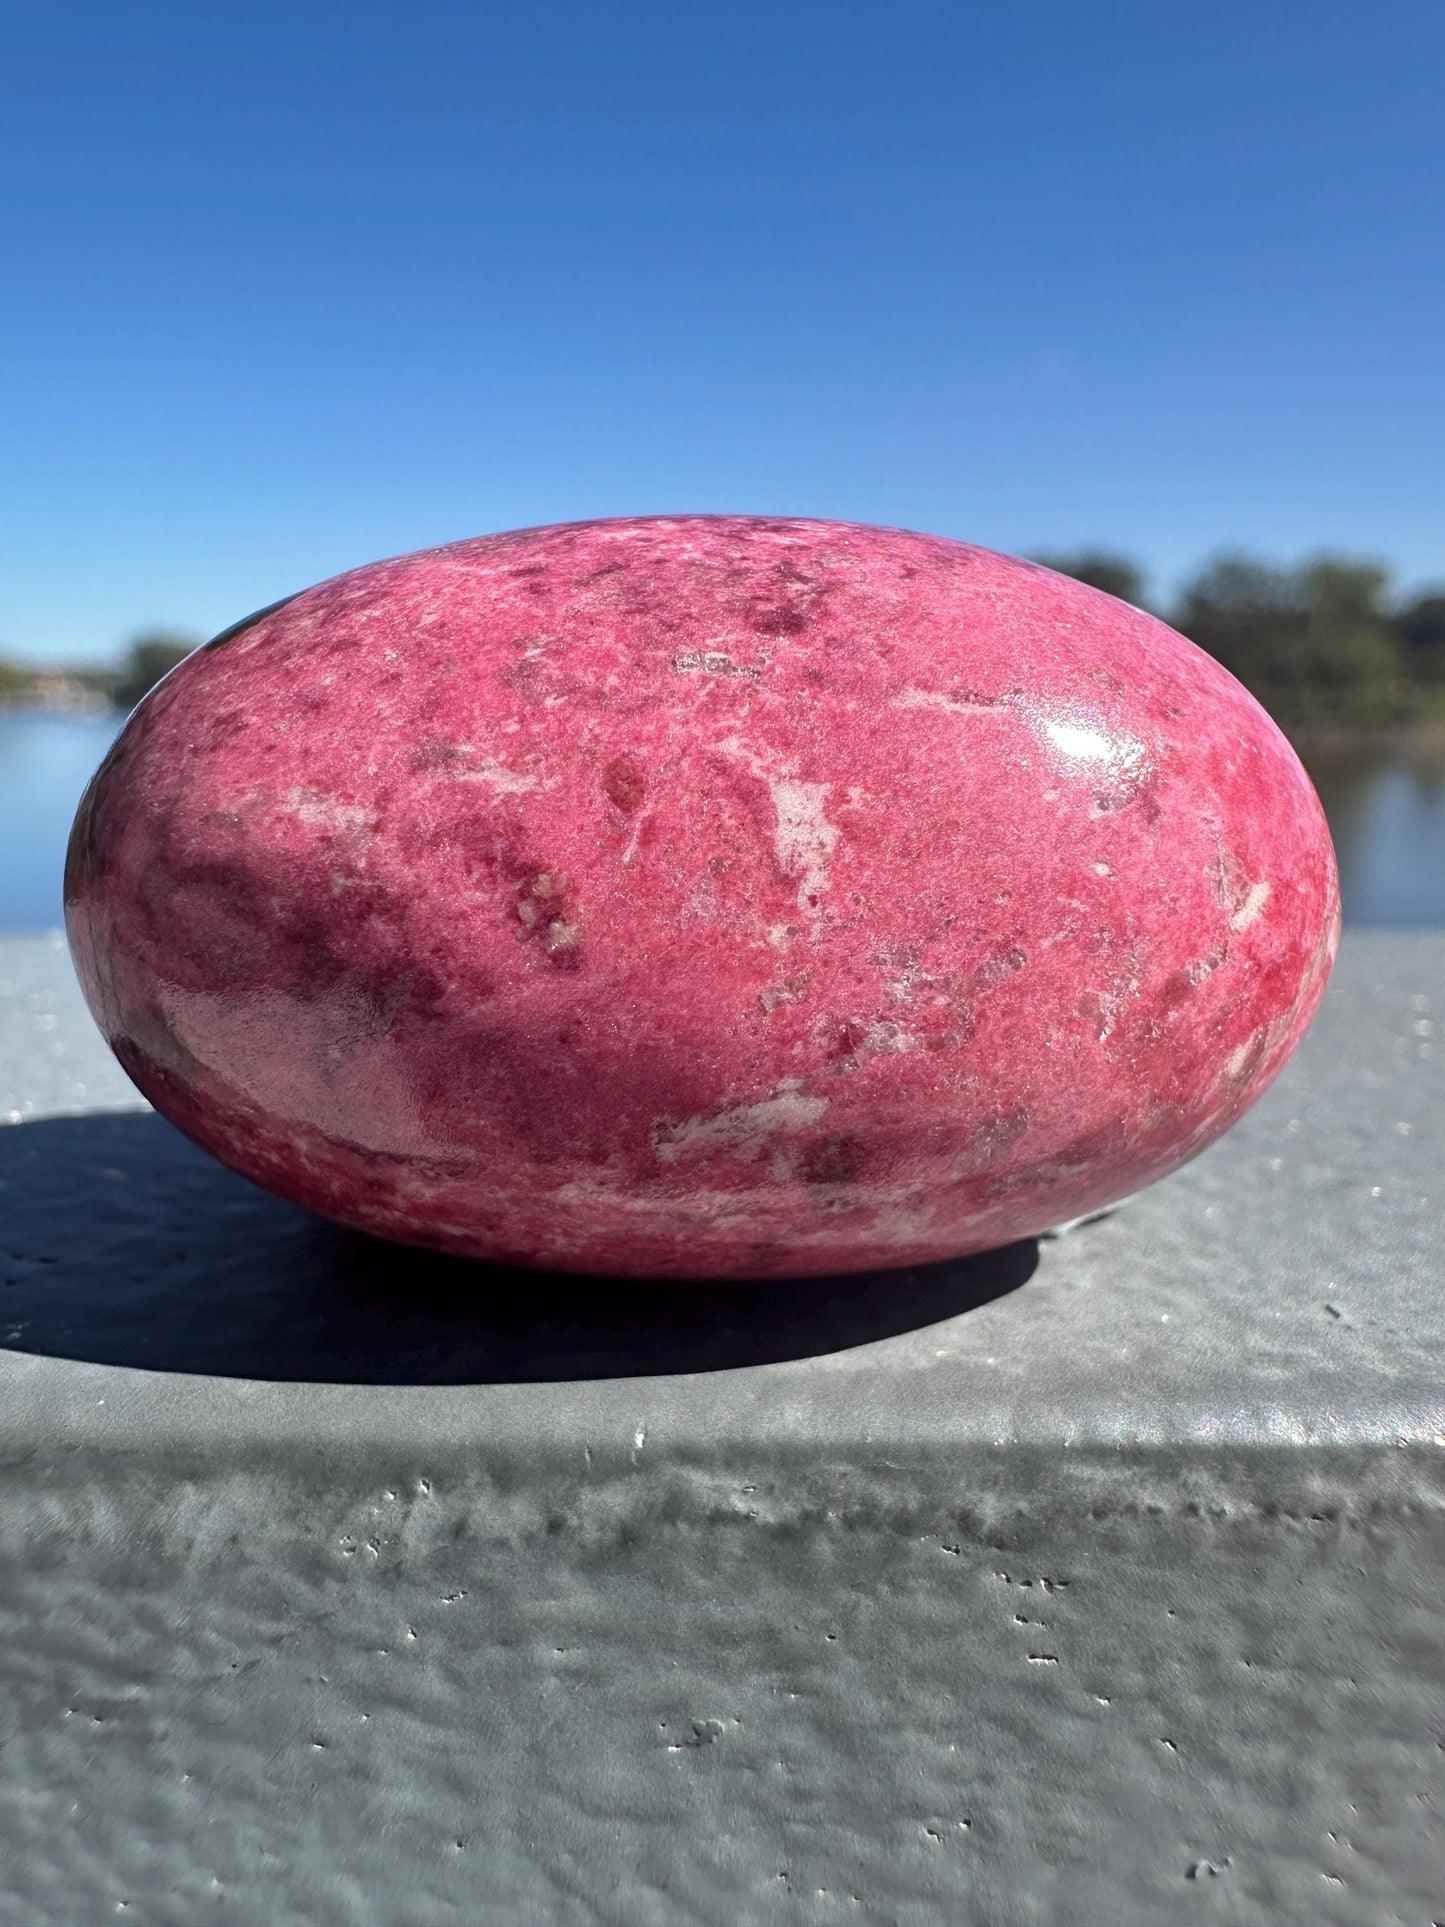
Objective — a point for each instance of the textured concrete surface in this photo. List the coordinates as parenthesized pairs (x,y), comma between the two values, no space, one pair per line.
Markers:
(1097,1581)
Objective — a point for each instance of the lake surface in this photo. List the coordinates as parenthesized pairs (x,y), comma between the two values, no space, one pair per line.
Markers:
(45,762)
(1387,814)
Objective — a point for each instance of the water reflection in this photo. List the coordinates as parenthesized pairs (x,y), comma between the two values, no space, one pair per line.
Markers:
(45,763)
(1387,817)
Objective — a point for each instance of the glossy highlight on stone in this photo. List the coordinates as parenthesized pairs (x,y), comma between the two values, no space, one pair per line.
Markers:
(702,896)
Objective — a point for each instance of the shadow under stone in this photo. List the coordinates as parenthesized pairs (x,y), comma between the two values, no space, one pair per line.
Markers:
(124,1244)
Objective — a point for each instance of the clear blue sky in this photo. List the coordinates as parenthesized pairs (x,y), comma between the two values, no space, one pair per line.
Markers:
(287,286)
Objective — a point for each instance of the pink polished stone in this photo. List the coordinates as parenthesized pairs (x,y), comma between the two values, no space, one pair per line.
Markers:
(702,896)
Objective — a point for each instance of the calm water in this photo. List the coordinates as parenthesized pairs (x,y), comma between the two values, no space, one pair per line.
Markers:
(1387,814)
(45,763)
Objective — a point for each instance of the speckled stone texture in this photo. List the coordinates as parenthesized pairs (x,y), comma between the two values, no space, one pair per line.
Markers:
(700,896)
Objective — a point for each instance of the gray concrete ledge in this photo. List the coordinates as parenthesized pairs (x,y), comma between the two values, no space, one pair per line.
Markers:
(1097,1581)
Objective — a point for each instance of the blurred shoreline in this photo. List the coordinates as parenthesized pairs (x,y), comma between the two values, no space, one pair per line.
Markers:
(1424,740)
(93,689)
(51,693)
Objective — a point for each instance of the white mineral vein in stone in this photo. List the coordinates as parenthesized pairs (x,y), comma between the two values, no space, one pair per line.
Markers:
(745,1130)
(804,840)
(1255,899)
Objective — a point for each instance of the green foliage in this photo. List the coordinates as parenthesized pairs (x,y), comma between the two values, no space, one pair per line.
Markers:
(1316,643)
(149,657)
(1319,644)
(1420,626)
(1116,575)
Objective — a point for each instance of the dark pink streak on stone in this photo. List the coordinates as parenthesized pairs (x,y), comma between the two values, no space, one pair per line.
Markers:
(702,896)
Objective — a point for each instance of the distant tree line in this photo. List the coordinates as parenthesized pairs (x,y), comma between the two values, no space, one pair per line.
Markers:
(1324,643)
(150,656)
(120,685)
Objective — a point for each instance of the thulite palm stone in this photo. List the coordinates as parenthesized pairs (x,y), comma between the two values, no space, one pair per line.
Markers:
(702,896)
